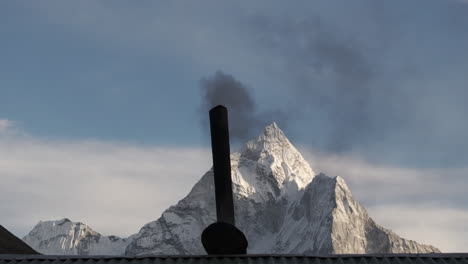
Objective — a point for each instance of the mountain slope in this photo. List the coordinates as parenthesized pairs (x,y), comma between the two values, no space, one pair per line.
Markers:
(280,205)
(331,221)
(64,237)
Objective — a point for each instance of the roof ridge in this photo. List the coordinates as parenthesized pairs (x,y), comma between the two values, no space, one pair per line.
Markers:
(336,256)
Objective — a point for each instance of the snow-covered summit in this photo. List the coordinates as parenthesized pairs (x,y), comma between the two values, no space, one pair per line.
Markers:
(271,138)
(64,237)
(272,149)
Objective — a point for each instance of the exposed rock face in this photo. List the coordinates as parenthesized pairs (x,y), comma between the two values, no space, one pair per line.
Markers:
(338,224)
(64,237)
(281,206)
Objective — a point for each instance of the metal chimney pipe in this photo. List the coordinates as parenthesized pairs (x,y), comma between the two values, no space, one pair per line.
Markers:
(222,164)
(222,237)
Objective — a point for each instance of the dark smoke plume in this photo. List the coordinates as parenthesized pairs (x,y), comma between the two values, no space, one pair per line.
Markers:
(357,82)
(348,100)
(330,76)
(245,120)
(330,80)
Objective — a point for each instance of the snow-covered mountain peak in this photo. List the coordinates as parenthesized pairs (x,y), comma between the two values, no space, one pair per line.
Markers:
(271,138)
(59,222)
(337,184)
(273,132)
(273,151)
(67,237)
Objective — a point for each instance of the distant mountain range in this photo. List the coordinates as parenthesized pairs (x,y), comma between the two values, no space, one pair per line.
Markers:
(64,237)
(281,205)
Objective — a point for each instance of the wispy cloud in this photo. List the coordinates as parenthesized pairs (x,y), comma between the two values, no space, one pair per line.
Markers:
(441,226)
(5,125)
(114,187)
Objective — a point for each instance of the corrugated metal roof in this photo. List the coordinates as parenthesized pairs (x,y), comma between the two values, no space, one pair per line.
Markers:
(453,258)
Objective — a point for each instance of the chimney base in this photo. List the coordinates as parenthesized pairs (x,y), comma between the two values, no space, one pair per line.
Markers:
(224,239)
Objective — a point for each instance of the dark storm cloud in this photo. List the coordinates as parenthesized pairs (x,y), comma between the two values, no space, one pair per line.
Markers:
(244,118)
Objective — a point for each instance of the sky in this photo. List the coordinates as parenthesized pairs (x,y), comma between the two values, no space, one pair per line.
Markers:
(100,103)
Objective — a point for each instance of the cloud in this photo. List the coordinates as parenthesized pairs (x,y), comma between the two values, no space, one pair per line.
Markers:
(5,125)
(444,228)
(114,187)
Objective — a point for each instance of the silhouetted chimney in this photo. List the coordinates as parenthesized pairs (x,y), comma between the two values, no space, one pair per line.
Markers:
(222,237)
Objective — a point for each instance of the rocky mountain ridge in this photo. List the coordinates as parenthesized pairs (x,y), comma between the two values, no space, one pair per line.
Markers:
(64,237)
